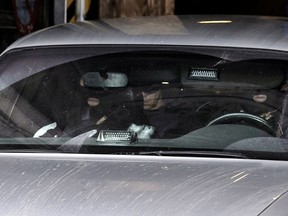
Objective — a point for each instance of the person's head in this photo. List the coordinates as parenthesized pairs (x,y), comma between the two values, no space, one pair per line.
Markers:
(91,100)
(152,99)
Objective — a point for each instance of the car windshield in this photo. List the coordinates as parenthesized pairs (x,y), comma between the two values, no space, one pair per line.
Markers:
(121,100)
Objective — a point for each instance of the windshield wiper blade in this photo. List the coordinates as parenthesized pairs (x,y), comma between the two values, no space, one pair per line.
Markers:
(213,154)
(29,151)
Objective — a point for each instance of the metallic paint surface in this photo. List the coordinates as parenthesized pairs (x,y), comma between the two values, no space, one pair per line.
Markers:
(269,33)
(68,184)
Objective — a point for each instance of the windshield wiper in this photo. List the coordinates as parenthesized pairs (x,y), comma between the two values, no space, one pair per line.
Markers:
(212,154)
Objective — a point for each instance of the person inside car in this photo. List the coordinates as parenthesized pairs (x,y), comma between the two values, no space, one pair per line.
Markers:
(160,119)
(97,108)
(89,110)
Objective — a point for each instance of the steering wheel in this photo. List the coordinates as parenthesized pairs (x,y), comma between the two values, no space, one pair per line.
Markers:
(244,118)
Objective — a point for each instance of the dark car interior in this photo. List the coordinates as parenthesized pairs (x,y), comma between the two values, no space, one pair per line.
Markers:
(206,97)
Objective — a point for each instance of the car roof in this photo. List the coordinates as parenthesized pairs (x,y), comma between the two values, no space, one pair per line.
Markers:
(260,32)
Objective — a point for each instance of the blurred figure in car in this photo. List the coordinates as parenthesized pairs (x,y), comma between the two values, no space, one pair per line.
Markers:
(89,110)
(152,99)
(99,108)
(158,113)
(93,100)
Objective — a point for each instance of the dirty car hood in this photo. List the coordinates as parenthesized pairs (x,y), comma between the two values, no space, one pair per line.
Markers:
(67,184)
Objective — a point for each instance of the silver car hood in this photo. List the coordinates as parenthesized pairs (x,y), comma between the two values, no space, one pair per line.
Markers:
(257,32)
(68,184)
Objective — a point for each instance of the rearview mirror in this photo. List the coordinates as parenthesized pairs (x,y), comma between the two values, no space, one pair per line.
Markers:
(113,80)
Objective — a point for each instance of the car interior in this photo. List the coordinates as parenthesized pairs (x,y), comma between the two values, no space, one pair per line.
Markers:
(206,97)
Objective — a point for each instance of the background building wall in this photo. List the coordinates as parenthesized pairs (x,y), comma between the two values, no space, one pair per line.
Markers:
(132,8)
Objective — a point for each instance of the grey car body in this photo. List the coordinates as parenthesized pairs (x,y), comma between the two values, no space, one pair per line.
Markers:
(249,32)
(52,183)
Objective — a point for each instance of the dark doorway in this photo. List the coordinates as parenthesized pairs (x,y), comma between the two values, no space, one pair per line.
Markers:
(244,7)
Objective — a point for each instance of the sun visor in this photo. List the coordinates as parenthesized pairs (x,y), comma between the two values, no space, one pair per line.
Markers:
(154,73)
